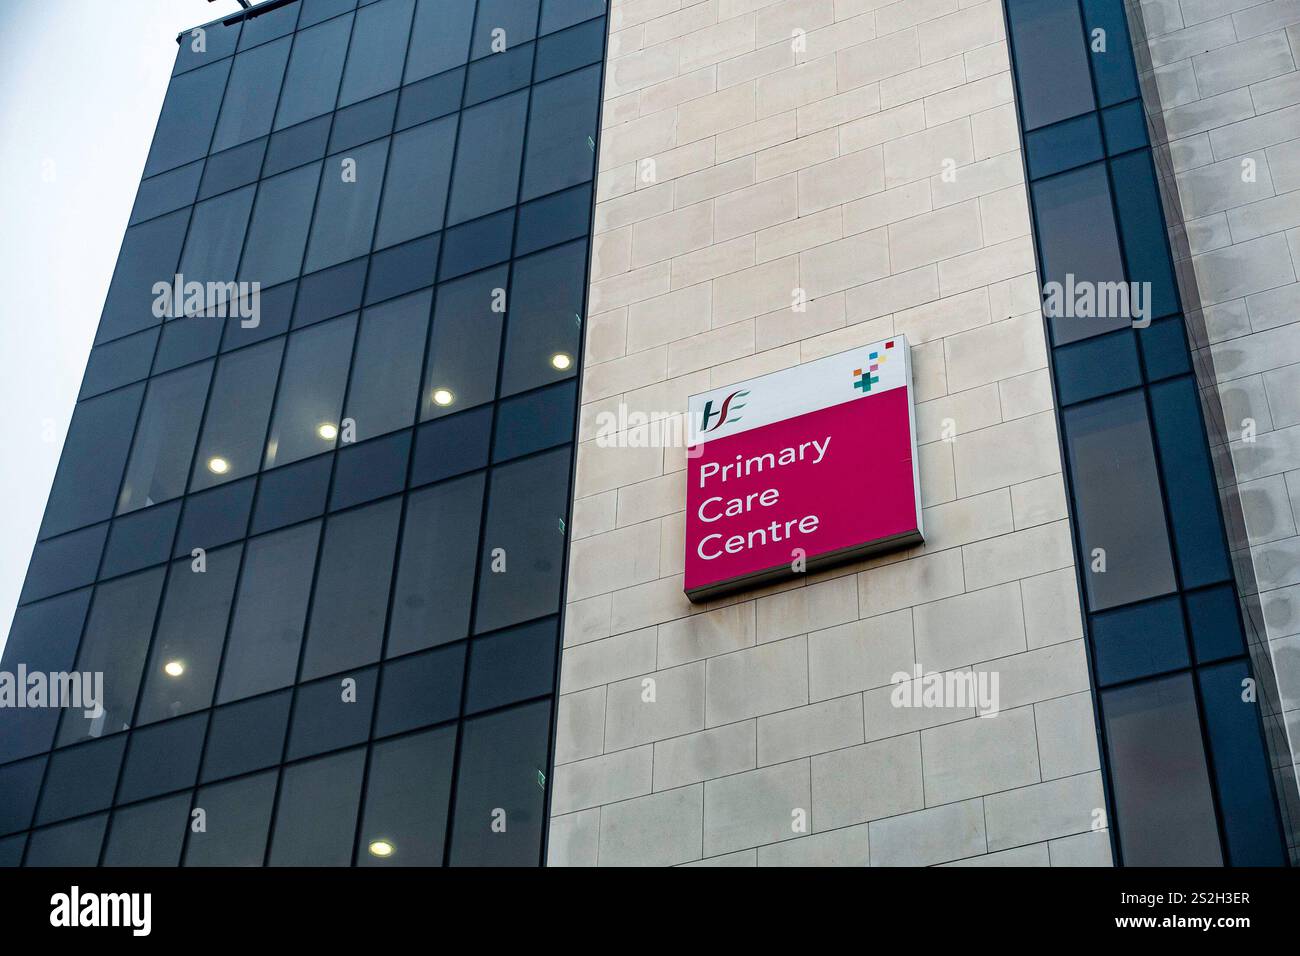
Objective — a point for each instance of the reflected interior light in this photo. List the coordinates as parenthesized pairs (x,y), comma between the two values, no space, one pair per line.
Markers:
(381,848)
(327,431)
(561,360)
(218,465)
(174,668)
(443,397)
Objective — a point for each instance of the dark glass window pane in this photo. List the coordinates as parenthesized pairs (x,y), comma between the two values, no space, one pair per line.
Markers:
(278,233)
(118,363)
(94,454)
(307,408)
(378,50)
(558,14)
(317,818)
(11,850)
(216,236)
(314,11)
(163,758)
(499,74)
(297,145)
(1139,640)
(373,469)
(502,768)
(345,211)
(1191,491)
(439,37)
(386,372)
(463,349)
(1076,258)
(81,779)
(332,713)
(311,82)
(187,340)
(189,114)
(68,844)
(364,121)
(247,736)
(1112,68)
(215,518)
(262,651)
(416,191)
(140,539)
(540,419)
(291,494)
(63,563)
(561,132)
(237,816)
(347,621)
(435,577)
(1062,146)
(554,219)
(1097,366)
(182,669)
(1215,623)
(235,426)
(330,293)
(1165,815)
(1125,126)
(571,49)
(164,439)
(171,190)
(545,326)
(150,834)
(150,252)
(43,636)
(488,157)
(218,40)
(115,644)
(421,689)
(406,799)
(20,783)
(1142,225)
(430,98)
(267,25)
(477,245)
(1164,349)
(451,446)
(528,501)
(251,94)
(233,168)
(401,269)
(1050,59)
(1241,768)
(514,665)
(1118,502)
(515,19)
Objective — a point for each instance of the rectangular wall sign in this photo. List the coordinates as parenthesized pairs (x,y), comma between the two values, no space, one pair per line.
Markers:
(800,469)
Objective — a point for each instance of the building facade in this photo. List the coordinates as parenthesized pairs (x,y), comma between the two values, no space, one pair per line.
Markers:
(381,562)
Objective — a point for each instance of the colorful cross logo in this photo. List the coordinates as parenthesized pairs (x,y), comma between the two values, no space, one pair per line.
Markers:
(865,381)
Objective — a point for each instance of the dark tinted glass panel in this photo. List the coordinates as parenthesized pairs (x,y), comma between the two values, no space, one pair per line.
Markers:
(247,736)
(1119,506)
(451,446)
(267,25)
(1063,146)
(251,95)
(1142,225)
(332,713)
(430,98)
(149,834)
(187,340)
(540,419)
(291,494)
(439,37)
(416,191)
(435,576)
(314,11)
(236,817)
(512,666)
(11,850)
(1125,126)
(1139,641)
(212,247)
(571,49)
(1164,349)
(189,114)
(364,121)
(488,157)
(1078,261)
(378,50)
(373,469)
(150,252)
(81,779)
(262,651)
(502,770)
(406,799)
(317,816)
(558,218)
(1161,785)
(163,758)
(235,425)
(63,563)
(525,530)
(207,44)
(545,326)
(347,622)
(115,644)
(311,82)
(561,133)
(558,14)
(307,408)
(1112,65)
(386,371)
(1216,626)
(297,145)
(329,293)
(118,363)
(1051,60)
(1097,366)
(171,190)
(503,24)
(499,74)
(68,844)
(420,689)
(463,348)
(140,539)
(233,168)
(20,783)
(278,233)
(345,210)
(43,636)
(182,669)
(164,439)
(477,245)
(215,518)
(401,269)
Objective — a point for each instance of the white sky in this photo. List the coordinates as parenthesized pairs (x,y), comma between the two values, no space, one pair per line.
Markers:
(81,83)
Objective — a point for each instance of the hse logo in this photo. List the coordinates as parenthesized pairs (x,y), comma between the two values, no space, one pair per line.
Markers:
(865,381)
(729,405)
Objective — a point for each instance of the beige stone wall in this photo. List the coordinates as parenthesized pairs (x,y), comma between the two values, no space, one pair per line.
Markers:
(752,149)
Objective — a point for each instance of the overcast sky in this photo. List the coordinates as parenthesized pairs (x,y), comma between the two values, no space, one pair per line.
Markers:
(81,82)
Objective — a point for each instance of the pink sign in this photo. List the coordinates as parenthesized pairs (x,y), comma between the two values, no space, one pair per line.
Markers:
(770,494)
